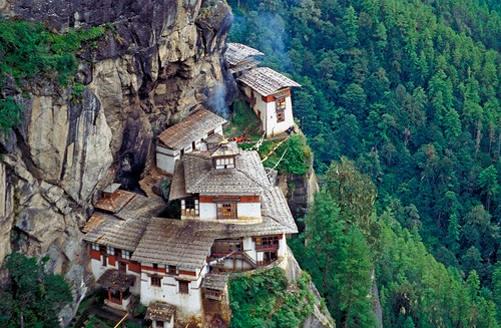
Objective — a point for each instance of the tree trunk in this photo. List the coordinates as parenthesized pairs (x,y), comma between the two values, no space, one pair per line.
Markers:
(478,137)
(498,151)
(492,136)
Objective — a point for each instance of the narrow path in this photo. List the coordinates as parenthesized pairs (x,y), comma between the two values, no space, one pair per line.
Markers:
(274,149)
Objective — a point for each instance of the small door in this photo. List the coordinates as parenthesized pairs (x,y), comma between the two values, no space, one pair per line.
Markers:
(104,255)
(122,266)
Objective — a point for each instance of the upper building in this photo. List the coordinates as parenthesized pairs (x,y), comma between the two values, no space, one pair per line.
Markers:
(186,136)
(268,92)
(241,57)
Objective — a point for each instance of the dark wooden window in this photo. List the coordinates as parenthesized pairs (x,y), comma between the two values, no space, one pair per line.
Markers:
(227,211)
(102,250)
(171,269)
(269,257)
(184,287)
(281,104)
(155,266)
(122,266)
(156,281)
(118,252)
(223,247)
(160,324)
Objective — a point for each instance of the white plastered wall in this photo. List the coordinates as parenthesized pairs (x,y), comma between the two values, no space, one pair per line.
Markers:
(208,211)
(166,157)
(98,269)
(268,116)
(187,304)
(272,126)
(249,210)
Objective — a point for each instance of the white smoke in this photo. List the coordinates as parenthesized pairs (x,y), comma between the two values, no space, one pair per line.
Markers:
(217,100)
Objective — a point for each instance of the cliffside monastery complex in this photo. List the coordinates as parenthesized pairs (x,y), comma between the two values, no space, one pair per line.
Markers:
(230,215)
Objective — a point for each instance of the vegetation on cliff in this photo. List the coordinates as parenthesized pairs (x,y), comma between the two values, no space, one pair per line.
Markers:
(347,240)
(29,50)
(410,92)
(292,156)
(265,300)
(32,296)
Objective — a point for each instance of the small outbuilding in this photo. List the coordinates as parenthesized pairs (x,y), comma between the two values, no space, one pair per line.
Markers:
(184,137)
(160,315)
(241,57)
(269,94)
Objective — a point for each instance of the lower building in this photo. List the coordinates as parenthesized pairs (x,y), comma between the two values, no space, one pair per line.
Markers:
(183,263)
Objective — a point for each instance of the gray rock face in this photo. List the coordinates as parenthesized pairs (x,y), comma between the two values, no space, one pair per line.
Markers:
(159,59)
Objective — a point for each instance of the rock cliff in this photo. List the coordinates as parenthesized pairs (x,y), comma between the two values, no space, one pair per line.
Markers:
(158,59)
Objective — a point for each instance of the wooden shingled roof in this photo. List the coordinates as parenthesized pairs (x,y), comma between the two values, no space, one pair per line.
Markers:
(247,178)
(193,128)
(238,53)
(266,81)
(174,242)
(115,280)
(160,311)
(108,230)
(115,201)
(215,281)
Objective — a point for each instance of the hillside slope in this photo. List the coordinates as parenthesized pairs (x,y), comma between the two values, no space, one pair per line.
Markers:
(154,62)
(410,92)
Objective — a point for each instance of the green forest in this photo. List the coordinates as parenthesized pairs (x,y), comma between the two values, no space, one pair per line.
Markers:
(401,106)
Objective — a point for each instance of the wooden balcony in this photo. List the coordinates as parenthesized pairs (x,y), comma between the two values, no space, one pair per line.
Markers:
(190,213)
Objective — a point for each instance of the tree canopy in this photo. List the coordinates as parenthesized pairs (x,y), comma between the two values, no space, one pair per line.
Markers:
(409,91)
(32,297)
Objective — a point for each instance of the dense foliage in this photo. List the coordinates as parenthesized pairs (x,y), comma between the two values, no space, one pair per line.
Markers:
(29,50)
(263,300)
(346,242)
(338,258)
(410,91)
(291,157)
(32,297)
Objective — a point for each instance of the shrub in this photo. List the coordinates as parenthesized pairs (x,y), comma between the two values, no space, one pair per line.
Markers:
(264,300)
(29,50)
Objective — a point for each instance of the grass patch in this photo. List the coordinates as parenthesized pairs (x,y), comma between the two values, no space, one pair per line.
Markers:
(29,50)
(264,299)
(243,122)
(296,159)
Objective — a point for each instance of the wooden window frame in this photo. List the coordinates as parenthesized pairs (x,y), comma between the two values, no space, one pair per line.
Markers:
(156,281)
(280,107)
(183,287)
(222,210)
(171,269)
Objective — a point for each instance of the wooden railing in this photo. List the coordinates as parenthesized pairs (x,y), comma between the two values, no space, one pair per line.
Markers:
(190,212)
(218,262)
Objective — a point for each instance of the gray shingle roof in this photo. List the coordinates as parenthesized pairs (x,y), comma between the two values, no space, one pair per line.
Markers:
(194,127)
(108,230)
(266,81)
(142,206)
(202,178)
(238,53)
(178,185)
(160,311)
(115,280)
(215,281)
(174,242)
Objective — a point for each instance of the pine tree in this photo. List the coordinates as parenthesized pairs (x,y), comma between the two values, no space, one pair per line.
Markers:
(350,27)
(354,278)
